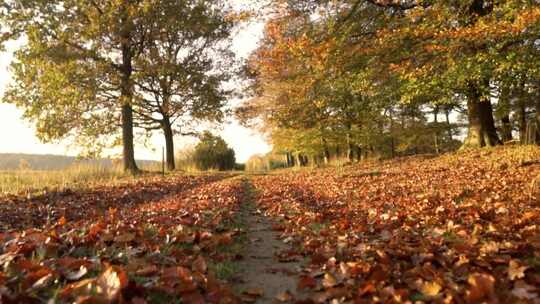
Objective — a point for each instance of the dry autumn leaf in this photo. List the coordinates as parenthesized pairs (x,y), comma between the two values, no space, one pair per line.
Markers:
(481,287)
(515,270)
(431,289)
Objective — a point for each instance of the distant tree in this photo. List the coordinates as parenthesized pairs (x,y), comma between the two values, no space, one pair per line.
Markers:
(213,153)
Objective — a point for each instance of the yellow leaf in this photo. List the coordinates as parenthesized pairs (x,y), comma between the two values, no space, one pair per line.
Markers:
(515,271)
(431,289)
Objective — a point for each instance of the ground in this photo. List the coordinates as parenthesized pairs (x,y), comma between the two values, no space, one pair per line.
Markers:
(457,228)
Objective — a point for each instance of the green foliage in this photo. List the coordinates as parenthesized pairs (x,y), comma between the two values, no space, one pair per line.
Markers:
(213,153)
(86,65)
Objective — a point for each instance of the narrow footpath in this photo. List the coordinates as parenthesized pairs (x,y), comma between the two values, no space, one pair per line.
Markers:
(266,274)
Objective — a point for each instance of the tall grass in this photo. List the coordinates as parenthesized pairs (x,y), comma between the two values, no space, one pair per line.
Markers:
(76,176)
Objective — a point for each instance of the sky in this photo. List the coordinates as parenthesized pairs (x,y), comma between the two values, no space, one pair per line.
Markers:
(17,134)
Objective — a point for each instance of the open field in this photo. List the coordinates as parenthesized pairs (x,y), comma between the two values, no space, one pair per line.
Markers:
(458,228)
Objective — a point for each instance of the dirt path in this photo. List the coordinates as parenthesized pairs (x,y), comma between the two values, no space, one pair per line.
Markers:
(266,274)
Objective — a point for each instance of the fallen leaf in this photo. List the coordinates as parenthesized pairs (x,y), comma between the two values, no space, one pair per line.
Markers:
(329,280)
(110,283)
(76,275)
(523,291)
(124,238)
(515,271)
(482,286)
(254,291)
(307,282)
(430,289)
(200,265)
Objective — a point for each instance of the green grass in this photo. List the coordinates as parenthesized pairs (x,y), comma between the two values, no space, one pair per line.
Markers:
(224,270)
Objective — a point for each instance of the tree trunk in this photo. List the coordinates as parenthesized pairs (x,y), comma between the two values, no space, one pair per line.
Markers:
(350,148)
(436,124)
(358,151)
(169,143)
(326,152)
(448,124)
(506,128)
(538,120)
(126,98)
(288,155)
(299,160)
(482,131)
(392,140)
(522,113)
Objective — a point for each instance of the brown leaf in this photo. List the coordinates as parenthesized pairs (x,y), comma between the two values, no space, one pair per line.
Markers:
(124,238)
(200,265)
(307,282)
(481,287)
(329,280)
(254,291)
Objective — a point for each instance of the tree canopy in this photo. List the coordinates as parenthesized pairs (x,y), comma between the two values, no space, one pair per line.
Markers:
(372,77)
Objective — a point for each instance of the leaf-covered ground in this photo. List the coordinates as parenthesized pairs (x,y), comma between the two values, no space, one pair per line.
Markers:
(463,228)
(153,241)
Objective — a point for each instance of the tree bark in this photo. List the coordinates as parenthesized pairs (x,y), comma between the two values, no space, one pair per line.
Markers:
(522,113)
(482,131)
(299,160)
(506,128)
(448,124)
(326,151)
(126,97)
(538,120)
(169,143)
(350,148)
(436,123)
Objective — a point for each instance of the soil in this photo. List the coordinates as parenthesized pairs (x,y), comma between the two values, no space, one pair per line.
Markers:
(264,276)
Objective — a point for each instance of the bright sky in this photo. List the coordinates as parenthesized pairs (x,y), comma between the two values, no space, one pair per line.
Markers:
(17,135)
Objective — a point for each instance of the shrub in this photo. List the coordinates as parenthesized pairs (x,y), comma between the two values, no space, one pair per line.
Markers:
(213,153)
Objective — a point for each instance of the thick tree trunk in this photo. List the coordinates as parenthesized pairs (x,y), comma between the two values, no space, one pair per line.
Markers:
(126,98)
(482,131)
(169,143)
(127,139)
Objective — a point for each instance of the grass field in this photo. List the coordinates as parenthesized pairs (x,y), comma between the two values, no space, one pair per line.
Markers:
(75,177)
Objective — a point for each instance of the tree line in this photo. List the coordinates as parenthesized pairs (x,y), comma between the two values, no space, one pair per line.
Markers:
(93,71)
(359,78)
